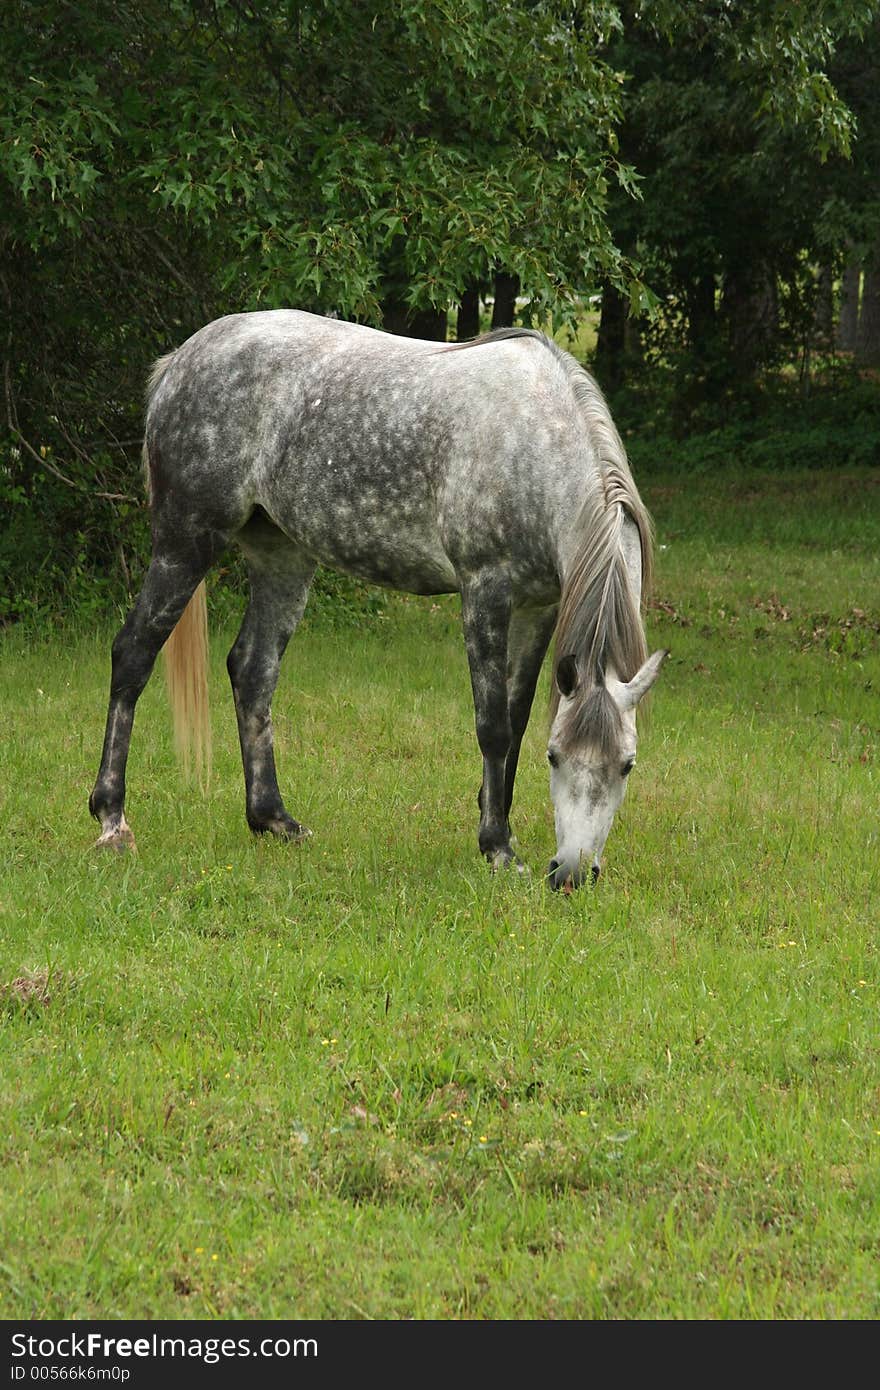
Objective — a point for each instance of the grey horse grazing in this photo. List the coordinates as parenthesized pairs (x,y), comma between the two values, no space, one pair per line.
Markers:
(490,468)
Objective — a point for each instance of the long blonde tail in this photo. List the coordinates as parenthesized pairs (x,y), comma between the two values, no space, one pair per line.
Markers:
(186,674)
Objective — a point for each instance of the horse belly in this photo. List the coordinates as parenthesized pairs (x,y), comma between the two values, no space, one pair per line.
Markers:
(380,535)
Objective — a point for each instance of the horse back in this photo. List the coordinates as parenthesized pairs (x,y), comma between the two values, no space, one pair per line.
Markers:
(389,457)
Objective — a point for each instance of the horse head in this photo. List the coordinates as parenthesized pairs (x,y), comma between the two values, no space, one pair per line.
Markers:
(591,751)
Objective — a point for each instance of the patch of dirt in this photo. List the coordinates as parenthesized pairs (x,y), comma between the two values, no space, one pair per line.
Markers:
(30,988)
(34,988)
(773,607)
(850,635)
(669,611)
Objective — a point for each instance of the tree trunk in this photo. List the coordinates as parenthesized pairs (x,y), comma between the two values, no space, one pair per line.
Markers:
(701,314)
(428,323)
(868,334)
(611,338)
(848,322)
(824,317)
(633,342)
(750,308)
(504,308)
(468,321)
(398,317)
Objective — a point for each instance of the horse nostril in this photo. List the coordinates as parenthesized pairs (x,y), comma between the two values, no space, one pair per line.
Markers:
(595,871)
(551,873)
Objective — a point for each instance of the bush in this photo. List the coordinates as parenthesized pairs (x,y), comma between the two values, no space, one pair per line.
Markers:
(836,425)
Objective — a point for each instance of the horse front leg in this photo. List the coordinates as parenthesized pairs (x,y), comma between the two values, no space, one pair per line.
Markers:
(485,610)
(530,634)
(279,586)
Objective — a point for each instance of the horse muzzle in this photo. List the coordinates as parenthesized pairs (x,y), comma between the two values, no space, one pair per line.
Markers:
(560,875)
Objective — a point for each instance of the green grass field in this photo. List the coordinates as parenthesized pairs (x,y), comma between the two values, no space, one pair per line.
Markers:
(364,1078)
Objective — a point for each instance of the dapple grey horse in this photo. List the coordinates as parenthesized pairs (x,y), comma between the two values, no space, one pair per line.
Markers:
(490,468)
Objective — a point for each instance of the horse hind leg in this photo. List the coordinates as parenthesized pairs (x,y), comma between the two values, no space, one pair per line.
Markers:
(280,576)
(170,582)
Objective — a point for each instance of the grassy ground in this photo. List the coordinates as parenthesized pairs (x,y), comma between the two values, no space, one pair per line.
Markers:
(364,1078)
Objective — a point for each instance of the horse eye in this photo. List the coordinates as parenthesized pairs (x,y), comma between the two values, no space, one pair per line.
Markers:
(628,766)
(552,759)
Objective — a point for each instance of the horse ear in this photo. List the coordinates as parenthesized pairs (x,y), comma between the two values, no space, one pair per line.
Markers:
(567,680)
(644,678)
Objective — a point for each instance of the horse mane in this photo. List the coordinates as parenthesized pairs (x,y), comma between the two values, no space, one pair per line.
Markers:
(600,620)
(599,615)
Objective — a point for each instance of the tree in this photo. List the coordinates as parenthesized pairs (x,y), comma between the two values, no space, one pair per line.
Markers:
(854,208)
(163,163)
(740,139)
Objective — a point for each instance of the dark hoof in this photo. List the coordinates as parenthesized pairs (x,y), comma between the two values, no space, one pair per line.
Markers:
(282,828)
(505,859)
(118,837)
(295,833)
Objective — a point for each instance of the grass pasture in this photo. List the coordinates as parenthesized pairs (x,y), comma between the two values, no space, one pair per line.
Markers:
(366,1079)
